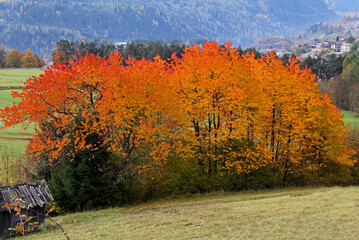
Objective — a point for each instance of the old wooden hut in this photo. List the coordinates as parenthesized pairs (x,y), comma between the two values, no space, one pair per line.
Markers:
(34,194)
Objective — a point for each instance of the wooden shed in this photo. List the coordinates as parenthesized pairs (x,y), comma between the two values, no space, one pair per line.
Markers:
(35,194)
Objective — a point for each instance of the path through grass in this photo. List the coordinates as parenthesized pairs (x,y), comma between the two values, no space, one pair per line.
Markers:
(307,213)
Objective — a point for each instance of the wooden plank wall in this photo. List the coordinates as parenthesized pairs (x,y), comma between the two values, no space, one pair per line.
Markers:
(9,220)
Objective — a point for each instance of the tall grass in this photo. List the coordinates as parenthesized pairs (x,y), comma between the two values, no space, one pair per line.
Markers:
(11,165)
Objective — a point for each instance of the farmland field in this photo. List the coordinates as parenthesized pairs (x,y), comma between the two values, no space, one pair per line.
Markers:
(300,213)
(16,77)
(12,80)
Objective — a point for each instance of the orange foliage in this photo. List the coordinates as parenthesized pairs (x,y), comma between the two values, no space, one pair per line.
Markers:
(227,110)
(59,57)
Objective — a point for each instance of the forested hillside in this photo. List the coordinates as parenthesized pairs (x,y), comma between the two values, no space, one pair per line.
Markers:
(39,24)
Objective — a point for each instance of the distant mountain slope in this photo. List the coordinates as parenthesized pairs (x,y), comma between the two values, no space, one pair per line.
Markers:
(343,6)
(319,32)
(38,24)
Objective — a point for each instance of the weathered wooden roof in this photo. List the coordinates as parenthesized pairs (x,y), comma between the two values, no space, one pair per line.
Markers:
(34,194)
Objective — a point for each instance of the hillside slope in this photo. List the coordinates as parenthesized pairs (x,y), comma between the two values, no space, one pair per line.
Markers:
(38,24)
(342,6)
(319,32)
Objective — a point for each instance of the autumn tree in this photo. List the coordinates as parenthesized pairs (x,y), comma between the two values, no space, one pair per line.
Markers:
(140,112)
(63,121)
(59,57)
(13,59)
(40,61)
(29,60)
(210,88)
(247,112)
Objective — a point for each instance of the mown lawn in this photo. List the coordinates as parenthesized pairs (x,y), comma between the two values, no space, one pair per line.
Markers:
(301,213)
(351,118)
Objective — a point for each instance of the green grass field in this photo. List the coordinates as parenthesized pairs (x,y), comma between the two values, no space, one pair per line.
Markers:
(12,80)
(6,99)
(300,213)
(351,118)
(16,77)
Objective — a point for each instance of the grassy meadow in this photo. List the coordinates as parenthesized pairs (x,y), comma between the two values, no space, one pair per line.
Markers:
(299,213)
(351,118)
(13,80)
(13,77)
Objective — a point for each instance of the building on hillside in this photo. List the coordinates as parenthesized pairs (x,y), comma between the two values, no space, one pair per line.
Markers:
(34,194)
(317,51)
(338,46)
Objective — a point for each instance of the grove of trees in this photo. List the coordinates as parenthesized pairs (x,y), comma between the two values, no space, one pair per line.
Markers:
(15,59)
(208,119)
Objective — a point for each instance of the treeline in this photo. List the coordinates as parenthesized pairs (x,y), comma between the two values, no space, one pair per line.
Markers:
(209,119)
(15,59)
(66,50)
(70,50)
